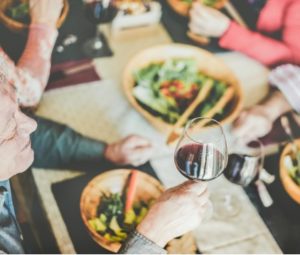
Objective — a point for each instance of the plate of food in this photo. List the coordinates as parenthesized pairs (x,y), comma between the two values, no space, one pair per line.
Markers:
(14,14)
(182,7)
(113,203)
(162,82)
(289,170)
(133,13)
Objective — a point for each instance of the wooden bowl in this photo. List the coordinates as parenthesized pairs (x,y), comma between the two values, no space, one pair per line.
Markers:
(288,183)
(17,26)
(113,182)
(207,63)
(183,8)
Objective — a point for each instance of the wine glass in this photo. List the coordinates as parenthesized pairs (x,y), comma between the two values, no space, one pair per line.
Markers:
(98,12)
(245,162)
(201,153)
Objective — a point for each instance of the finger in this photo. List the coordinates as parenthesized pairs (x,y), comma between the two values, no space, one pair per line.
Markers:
(141,152)
(140,156)
(206,211)
(203,198)
(137,141)
(195,187)
(196,29)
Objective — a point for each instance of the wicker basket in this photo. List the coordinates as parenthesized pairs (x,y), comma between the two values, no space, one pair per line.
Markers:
(207,63)
(182,8)
(289,185)
(17,26)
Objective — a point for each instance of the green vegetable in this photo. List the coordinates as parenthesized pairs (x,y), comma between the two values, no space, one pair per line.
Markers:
(130,217)
(167,88)
(141,215)
(97,225)
(112,222)
(19,11)
(209,2)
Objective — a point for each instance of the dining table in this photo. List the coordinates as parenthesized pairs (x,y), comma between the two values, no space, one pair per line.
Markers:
(100,110)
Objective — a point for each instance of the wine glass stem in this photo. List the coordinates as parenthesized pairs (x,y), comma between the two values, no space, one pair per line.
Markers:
(98,44)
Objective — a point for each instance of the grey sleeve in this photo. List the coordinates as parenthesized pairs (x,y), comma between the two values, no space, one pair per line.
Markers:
(56,145)
(139,244)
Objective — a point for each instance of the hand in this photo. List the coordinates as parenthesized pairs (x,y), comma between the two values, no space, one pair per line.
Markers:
(45,11)
(178,211)
(132,150)
(207,21)
(252,124)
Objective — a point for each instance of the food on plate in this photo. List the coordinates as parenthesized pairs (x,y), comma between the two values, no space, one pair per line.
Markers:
(133,7)
(166,89)
(292,167)
(112,222)
(19,10)
(205,2)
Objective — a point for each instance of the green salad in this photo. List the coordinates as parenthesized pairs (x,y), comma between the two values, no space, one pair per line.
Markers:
(19,11)
(112,222)
(205,2)
(166,89)
(293,169)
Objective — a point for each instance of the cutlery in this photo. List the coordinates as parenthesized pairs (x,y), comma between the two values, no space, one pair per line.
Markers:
(56,76)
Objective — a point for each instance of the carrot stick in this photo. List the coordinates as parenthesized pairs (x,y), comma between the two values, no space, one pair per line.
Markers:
(131,190)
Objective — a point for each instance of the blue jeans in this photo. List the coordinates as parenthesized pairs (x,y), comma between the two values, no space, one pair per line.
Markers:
(10,235)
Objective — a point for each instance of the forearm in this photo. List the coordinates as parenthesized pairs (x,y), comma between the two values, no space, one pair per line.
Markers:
(33,68)
(262,48)
(58,146)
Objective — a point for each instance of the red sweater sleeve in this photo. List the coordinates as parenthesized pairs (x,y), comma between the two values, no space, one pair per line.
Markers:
(265,49)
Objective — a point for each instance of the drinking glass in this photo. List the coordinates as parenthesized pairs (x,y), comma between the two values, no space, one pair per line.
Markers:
(98,12)
(243,168)
(201,153)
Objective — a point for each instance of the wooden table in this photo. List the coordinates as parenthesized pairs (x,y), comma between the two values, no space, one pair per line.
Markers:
(59,106)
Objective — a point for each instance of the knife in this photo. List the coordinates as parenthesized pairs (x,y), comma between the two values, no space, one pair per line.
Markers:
(59,75)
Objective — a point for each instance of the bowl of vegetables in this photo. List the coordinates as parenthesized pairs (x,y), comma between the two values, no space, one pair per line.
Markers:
(14,14)
(161,82)
(113,203)
(289,171)
(182,7)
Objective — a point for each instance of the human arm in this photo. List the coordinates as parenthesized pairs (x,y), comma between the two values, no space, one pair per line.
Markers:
(275,16)
(57,145)
(258,120)
(177,211)
(30,75)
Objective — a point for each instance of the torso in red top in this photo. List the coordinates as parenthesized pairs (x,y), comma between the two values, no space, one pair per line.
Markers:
(277,15)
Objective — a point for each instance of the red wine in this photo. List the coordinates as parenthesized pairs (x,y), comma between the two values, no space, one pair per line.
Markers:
(102,11)
(242,169)
(199,161)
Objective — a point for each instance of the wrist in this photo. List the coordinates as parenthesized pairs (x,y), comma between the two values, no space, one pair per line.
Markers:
(106,152)
(47,23)
(276,105)
(148,229)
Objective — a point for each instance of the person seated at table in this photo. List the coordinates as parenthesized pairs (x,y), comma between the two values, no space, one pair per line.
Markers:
(258,120)
(275,16)
(56,145)
(177,211)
